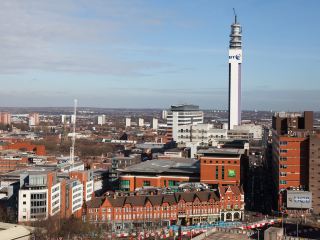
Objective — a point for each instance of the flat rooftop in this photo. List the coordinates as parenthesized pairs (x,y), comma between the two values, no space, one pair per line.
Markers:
(184,107)
(13,231)
(178,165)
(225,235)
(222,151)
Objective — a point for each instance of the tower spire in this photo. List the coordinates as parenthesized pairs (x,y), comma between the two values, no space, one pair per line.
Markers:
(235,15)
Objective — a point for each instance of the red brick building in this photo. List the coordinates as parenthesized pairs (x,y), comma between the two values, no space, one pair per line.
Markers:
(159,173)
(186,208)
(8,164)
(39,150)
(223,167)
(290,152)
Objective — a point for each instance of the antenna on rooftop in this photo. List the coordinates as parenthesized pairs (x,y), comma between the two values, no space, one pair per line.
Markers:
(235,15)
(73,132)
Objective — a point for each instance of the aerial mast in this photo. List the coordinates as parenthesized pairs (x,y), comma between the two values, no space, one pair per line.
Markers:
(73,139)
(235,15)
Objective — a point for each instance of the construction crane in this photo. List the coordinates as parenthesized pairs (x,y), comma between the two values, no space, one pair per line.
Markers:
(73,139)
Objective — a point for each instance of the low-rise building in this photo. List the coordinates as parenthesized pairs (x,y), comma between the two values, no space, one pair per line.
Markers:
(159,173)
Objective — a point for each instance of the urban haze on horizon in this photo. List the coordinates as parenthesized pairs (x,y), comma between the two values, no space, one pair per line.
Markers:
(151,54)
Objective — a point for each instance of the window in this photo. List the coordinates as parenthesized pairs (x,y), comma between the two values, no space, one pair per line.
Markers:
(24,203)
(24,195)
(283,143)
(283,182)
(125,185)
(172,183)
(283,174)
(217,172)
(283,150)
(283,166)
(147,183)
(222,172)
(283,158)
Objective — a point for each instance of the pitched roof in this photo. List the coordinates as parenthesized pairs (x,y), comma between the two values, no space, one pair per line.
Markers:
(156,200)
(234,189)
(95,202)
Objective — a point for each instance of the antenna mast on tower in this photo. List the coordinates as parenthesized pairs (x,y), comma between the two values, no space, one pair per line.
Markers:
(235,15)
(73,132)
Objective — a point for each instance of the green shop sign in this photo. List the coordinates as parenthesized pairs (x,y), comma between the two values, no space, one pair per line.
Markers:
(231,173)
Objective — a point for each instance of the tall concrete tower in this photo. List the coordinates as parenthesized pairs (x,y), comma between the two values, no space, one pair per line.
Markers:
(235,60)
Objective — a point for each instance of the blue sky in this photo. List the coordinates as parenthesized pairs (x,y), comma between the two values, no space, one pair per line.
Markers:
(156,53)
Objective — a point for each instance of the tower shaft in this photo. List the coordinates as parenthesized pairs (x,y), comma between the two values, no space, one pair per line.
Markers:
(235,61)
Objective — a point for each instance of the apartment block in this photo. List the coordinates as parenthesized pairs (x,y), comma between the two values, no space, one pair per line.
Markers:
(5,118)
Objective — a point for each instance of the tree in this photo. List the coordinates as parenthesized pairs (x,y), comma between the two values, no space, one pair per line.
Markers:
(72,228)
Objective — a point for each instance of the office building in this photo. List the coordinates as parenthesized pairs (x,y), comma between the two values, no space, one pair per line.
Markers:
(182,115)
(235,61)
(290,152)
(223,167)
(39,196)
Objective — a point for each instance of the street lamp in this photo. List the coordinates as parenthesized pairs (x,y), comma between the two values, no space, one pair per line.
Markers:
(258,233)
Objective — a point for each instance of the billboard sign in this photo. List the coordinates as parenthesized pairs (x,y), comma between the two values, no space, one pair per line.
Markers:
(299,199)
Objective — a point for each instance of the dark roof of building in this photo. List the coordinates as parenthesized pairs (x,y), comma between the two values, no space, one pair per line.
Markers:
(179,165)
(220,152)
(235,189)
(184,107)
(155,200)
(95,202)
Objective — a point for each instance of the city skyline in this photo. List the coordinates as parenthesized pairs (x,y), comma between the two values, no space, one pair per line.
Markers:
(153,54)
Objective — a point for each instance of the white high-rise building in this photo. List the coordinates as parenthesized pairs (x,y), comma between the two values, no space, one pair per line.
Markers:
(164,114)
(63,119)
(141,122)
(128,122)
(102,119)
(155,123)
(182,115)
(235,61)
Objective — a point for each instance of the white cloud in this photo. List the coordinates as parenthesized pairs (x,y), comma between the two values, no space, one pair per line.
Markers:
(70,36)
